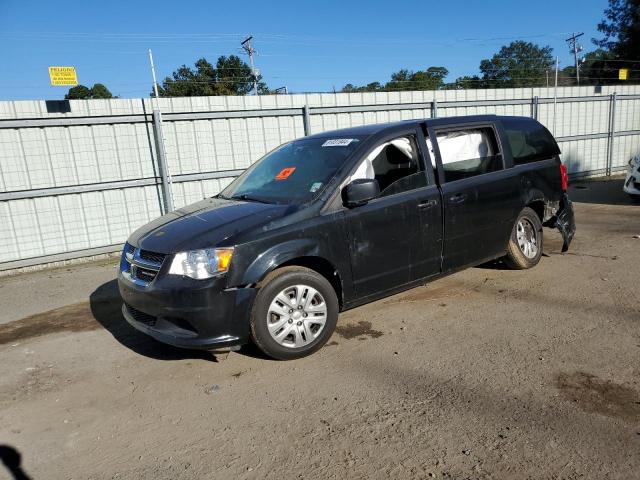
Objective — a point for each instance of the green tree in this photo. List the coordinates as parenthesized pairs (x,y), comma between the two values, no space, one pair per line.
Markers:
(621,29)
(230,76)
(430,79)
(80,92)
(370,87)
(466,83)
(601,68)
(100,91)
(598,68)
(399,80)
(519,64)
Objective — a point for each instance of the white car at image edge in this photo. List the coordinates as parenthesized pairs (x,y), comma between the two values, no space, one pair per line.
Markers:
(632,182)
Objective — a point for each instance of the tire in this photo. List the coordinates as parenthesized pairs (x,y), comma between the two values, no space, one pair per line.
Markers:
(634,198)
(526,242)
(282,327)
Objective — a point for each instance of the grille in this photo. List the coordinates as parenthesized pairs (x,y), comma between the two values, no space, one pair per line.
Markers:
(141,317)
(125,266)
(152,256)
(141,265)
(145,274)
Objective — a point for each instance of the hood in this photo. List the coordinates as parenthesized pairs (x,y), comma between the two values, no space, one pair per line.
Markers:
(204,224)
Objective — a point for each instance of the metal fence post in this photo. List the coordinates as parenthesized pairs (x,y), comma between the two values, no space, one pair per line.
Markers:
(534,107)
(306,120)
(162,161)
(434,108)
(612,132)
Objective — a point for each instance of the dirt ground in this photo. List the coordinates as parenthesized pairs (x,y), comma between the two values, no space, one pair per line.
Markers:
(488,373)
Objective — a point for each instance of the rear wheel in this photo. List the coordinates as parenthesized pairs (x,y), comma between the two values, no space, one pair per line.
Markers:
(525,245)
(294,314)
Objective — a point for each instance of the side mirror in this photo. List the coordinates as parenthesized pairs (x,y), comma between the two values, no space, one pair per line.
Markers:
(359,192)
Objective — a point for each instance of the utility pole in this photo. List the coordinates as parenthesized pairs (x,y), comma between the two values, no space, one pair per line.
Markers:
(247,47)
(575,48)
(155,82)
(159,137)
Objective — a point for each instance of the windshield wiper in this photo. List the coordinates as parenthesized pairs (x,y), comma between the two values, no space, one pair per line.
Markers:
(248,198)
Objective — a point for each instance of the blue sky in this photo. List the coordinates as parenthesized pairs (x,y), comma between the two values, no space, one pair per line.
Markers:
(305,45)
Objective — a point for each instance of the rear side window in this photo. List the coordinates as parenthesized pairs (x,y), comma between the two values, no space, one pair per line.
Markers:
(468,152)
(529,141)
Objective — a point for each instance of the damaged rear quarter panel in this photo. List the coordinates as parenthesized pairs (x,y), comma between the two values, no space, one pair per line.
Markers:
(542,184)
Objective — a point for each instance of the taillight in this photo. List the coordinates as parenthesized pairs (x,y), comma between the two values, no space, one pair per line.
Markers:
(564,179)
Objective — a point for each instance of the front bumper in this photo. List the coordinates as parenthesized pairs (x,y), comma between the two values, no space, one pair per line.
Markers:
(188,313)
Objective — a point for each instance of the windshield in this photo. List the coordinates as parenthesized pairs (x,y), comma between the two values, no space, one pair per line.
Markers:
(294,172)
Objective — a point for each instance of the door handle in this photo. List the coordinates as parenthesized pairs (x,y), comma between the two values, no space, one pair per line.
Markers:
(458,198)
(427,204)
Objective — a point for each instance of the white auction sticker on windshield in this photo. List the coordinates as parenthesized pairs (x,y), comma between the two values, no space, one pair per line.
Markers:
(338,142)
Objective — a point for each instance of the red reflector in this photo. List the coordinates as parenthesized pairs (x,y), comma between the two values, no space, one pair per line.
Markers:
(563,177)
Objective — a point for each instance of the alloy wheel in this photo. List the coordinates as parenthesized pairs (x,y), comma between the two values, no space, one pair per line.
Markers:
(527,237)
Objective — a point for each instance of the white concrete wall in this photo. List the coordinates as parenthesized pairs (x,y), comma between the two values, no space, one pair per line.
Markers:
(61,156)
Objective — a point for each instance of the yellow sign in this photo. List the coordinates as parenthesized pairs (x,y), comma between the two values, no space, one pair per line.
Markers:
(623,74)
(63,76)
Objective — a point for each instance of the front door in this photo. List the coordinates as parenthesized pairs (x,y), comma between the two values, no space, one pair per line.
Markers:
(396,237)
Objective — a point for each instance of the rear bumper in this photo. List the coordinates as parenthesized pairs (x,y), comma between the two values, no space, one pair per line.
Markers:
(188,313)
(565,221)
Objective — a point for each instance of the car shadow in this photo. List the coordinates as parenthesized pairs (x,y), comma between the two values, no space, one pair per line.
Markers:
(250,350)
(497,264)
(12,460)
(606,191)
(106,307)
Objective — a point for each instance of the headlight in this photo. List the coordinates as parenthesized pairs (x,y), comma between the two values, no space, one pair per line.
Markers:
(201,264)
(634,161)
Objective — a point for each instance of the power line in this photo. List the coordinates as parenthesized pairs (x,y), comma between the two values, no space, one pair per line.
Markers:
(264,37)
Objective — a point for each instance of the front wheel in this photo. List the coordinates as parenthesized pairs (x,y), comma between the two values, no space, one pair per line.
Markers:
(525,244)
(294,314)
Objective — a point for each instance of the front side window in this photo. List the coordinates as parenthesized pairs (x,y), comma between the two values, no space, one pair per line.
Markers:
(395,165)
(529,141)
(468,152)
(292,173)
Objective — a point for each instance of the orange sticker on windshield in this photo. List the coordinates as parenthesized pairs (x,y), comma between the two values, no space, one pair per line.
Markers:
(285,173)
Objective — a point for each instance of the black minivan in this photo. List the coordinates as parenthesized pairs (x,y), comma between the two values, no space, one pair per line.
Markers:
(334,220)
